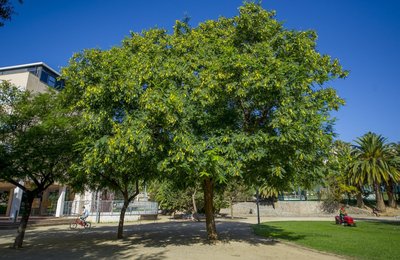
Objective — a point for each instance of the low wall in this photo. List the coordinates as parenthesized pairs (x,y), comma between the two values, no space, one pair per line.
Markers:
(112,218)
(281,208)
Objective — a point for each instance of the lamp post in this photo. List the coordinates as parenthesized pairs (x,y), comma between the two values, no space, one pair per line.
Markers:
(258,207)
(98,206)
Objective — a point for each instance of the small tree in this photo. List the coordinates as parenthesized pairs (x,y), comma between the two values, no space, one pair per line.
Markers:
(173,196)
(36,137)
(236,190)
(339,178)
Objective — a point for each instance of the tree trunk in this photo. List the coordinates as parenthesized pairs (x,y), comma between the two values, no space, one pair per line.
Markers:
(359,197)
(194,201)
(120,233)
(24,221)
(390,192)
(231,204)
(209,208)
(380,203)
(127,200)
(360,201)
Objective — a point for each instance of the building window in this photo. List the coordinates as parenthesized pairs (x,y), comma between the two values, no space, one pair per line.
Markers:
(44,76)
(51,81)
(48,79)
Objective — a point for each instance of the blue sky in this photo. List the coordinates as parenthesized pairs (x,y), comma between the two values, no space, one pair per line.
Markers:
(363,34)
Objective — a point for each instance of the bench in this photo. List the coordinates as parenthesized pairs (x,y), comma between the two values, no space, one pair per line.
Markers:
(148,217)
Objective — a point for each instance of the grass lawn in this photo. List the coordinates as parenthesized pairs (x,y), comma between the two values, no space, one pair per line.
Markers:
(369,240)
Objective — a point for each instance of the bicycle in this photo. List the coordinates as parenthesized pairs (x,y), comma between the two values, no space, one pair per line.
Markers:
(79,221)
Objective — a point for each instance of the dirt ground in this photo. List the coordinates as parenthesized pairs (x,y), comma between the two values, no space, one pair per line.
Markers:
(163,239)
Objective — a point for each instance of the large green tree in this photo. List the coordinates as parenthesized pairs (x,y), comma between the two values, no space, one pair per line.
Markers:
(36,137)
(237,97)
(251,100)
(118,140)
(374,163)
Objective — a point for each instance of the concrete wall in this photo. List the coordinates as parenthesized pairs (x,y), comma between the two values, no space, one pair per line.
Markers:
(112,218)
(20,80)
(282,208)
(26,81)
(35,85)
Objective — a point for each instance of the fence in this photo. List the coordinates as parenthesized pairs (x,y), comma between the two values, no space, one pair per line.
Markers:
(110,207)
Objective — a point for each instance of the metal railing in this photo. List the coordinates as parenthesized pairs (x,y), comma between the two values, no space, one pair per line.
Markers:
(110,207)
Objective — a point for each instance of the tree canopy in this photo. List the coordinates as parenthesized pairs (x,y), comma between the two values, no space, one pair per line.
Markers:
(117,143)
(36,138)
(239,96)
(6,11)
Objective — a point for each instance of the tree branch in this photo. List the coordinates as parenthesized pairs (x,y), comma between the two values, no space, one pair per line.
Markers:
(113,182)
(22,187)
(136,192)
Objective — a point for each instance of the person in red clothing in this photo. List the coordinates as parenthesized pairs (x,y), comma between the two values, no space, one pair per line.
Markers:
(342,213)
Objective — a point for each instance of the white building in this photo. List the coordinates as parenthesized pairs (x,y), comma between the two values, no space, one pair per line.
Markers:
(35,77)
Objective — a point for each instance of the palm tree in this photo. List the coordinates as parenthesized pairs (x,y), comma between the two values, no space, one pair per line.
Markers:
(374,164)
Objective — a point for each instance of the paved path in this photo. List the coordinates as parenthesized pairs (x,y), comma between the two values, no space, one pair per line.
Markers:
(161,240)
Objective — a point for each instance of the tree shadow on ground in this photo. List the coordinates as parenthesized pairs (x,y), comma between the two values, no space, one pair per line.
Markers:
(100,242)
(187,233)
(70,244)
(276,233)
